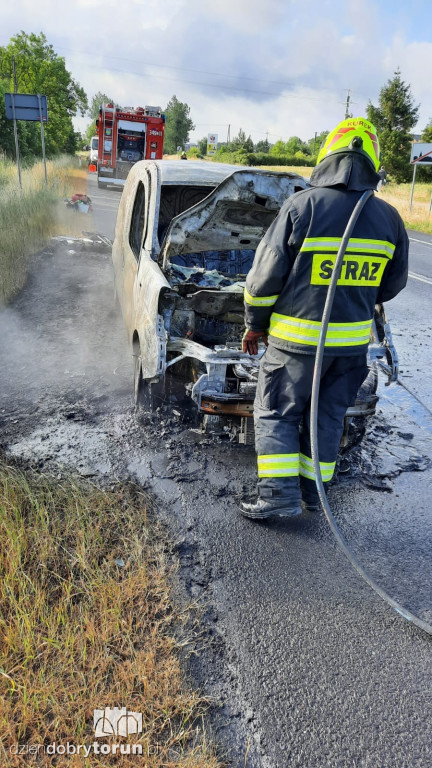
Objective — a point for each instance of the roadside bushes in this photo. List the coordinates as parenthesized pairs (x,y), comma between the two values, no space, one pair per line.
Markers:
(25,220)
(194,153)
(297,160)
(242,157)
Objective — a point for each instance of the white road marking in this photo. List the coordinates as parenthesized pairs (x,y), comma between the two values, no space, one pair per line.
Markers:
(423,242)
(422,278)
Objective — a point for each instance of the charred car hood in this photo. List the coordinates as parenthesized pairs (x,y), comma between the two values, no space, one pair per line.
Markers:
(234,216)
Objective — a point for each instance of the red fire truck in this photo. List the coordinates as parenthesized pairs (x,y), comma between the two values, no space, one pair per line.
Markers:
(127,135)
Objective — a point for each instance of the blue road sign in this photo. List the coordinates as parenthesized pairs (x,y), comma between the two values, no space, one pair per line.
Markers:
(28,106)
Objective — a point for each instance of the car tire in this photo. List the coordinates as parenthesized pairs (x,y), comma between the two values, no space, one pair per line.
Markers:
(148,395)
(141,396)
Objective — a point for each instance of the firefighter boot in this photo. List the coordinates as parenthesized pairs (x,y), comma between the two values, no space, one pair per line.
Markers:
(310,498)
(311,505)
(264,508)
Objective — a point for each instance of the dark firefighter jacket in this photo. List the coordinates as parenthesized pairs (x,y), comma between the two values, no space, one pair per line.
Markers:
(287,285)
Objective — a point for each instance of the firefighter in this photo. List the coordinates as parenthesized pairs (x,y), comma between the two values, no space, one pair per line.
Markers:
(284,300)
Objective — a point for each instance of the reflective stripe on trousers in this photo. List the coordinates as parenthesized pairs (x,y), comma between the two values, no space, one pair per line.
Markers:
(282,416)
(327,468)
(293,465)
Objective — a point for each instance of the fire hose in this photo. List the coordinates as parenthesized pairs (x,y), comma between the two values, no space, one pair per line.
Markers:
(314,426)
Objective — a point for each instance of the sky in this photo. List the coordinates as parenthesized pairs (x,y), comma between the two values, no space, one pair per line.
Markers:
(276,69)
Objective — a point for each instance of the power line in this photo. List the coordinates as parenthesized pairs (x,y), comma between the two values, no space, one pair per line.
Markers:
(222,86)
(285,84)
(218,87)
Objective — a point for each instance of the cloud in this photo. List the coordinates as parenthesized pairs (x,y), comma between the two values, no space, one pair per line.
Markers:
(415,63)
(283,66)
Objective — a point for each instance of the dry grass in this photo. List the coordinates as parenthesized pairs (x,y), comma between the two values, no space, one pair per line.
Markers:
(300,170)
(29,217)
(398,195)
(80,631)
(419,216)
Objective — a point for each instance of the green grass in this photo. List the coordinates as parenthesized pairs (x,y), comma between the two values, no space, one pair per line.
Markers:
(29,217)
(87,621)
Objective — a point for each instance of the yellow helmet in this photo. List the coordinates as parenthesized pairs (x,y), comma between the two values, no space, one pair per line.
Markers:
(356,134)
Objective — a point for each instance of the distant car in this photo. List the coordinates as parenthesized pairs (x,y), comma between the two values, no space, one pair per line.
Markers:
(185,239)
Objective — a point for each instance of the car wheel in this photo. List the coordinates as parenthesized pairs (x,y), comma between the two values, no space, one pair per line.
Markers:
(148,395)
(141,397)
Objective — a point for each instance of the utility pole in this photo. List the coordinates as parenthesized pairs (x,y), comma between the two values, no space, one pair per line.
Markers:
(229,134)
(314,142)
(347,112)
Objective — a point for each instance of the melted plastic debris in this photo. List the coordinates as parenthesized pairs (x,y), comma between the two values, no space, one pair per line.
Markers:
(89,242)
(201,276)
(74,443)
(398,439)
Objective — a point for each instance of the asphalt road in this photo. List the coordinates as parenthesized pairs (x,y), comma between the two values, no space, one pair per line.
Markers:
(105,204)
(305,662)
(329,674)
(411,321)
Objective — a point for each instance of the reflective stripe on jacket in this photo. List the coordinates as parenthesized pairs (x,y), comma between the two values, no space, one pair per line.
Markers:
(287,285)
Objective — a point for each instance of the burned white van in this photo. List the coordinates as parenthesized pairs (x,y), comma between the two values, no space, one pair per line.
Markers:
(186,234)
(185,239)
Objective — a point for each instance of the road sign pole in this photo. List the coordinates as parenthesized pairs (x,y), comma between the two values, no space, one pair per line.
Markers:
(15,123)
(42,138)
(413,185)
(16,140)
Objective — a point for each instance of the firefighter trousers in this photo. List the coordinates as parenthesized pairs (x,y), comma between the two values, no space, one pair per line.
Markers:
(282,418)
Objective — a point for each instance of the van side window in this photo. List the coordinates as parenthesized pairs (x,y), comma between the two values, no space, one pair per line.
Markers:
(137,222)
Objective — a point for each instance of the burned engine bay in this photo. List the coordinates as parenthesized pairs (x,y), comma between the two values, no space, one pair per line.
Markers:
(204,318)
(209,286)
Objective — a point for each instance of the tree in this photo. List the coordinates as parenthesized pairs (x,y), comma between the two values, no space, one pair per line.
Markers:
(394,119)
(262,146)
(278,148)
(98,99)
(295,144)
(317,141)
(93,110)
(28,132)
(202,145)
(241,142)
(7,141)
(177,127)
(427,133)
(40,70)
